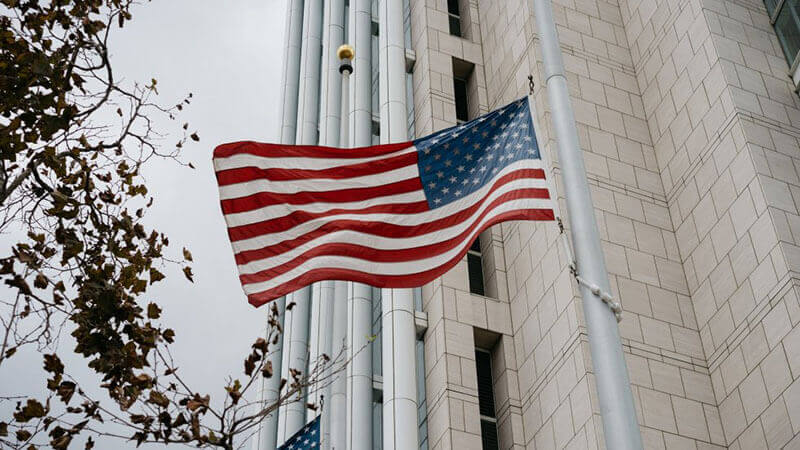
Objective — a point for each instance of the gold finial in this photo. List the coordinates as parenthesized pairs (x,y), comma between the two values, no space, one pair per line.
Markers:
(345,52)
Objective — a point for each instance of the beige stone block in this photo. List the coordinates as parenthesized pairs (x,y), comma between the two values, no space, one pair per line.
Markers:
(666,378)
(754,347)
(776,324)
(754,394)
(657,410)
(733,370)
(732,414)
(775,370)
(776,425)
(752,437)
(690,418)
(698,386)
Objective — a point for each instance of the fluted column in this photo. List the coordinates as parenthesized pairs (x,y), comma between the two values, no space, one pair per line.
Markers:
(267,436)
(359,296)
(293,415)
(331,99)
(399,362)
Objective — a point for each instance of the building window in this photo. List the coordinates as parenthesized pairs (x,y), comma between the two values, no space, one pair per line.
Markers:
(454,15)
(483,361)
(785,17)
(475,268)
(462,81)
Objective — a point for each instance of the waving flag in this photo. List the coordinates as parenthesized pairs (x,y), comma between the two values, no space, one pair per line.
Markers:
(306,439)
(395,215)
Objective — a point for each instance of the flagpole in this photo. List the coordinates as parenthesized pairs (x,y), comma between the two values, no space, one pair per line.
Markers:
(620,427)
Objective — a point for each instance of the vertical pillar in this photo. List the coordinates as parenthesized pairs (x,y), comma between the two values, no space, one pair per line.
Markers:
(292,416)
(613,387)
(399,362)
(359,296)
(267,436)
(338,400)
(329,127)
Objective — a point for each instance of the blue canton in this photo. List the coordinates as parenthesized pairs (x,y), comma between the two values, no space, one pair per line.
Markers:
(460,160)
(305,439)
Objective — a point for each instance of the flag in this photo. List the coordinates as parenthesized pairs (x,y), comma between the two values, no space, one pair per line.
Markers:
(305,439)
(394,215)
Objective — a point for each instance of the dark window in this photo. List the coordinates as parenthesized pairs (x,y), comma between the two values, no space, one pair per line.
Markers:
(475,268)
(460,88)
(462,77)
(483,362)
(785,17)
(454,15)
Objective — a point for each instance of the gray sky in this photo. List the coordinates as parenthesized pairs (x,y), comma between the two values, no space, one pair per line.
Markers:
(230,59)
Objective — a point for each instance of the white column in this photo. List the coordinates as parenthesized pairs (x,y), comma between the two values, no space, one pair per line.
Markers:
(359,296)
(399,361)
(290,83)
(267,437)
(338,401)
(293,415)
(331,99)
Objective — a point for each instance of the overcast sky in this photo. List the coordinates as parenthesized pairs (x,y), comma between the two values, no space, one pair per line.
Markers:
(230,59)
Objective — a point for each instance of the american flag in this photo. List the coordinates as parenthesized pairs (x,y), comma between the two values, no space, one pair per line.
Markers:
(305,439)
(394,215)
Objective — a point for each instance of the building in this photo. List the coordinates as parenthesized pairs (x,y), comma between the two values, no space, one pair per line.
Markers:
(689,122)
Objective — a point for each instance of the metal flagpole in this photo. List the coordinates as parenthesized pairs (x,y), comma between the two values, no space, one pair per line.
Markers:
(611,376)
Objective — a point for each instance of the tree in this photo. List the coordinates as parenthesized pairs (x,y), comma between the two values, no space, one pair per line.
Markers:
(71,189)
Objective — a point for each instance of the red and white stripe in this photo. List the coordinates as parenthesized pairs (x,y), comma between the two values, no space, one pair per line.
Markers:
(300,214)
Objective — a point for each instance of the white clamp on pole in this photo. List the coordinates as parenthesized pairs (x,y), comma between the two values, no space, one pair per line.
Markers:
(606,297)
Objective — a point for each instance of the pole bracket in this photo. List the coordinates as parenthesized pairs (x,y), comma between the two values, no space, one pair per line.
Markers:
(607,298)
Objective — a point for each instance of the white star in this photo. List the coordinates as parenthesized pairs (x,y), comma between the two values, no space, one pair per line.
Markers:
(458,193)
(437,200)
(437,156)
(476,146)
(445,190)
(476,181)
(440,174)
(453,180)
(468,157)
(432,185)
(483,169)
(489,157)
(527,138)
(448,163)
(494,170)
(484,134)
(465,140)
(466,180)
(460,168)
(426,150)
(524,126)
(518,146)
(515,135)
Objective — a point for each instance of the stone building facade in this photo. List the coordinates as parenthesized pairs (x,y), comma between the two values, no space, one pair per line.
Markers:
(689,126)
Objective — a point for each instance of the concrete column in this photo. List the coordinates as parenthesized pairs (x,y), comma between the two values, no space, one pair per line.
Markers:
(359,296)
(399,361)
(331,99)
(267,437)
(293,415)
(290,80)
(338,402)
